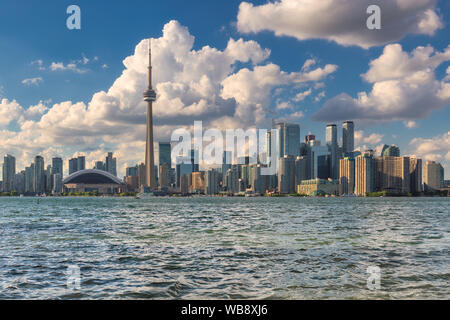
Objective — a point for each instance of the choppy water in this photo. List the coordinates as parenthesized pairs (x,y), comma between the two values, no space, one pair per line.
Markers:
(230,248)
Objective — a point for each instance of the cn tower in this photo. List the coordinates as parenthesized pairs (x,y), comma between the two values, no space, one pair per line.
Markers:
(149,97)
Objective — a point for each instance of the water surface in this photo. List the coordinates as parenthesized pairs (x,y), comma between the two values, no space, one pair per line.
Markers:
(226,248)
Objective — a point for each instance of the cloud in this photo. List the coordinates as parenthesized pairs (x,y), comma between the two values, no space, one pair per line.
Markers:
(39,63)
(302,95)
(404,87)
(207,84)
(32,81)
(59,66)
(410,124)
(435,149)
(341,21)
(372,139)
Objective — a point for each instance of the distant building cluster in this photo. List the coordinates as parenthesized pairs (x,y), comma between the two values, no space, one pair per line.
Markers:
(38,179)
(308,168)
(304,167)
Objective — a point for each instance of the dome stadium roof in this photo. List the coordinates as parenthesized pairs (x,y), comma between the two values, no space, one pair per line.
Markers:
(92,176)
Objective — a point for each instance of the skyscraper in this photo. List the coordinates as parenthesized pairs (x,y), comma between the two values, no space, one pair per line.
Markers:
(347,176)
(164,150)
(38,176)
(392,174)
(433,176)
(81,163)
(57,166)
(288,139)
(348,137)
(149,97)
(286,174)
(111,164)
(331,139)
(415,175)
(364,180)
(211,182)
(300,170)
(9,171)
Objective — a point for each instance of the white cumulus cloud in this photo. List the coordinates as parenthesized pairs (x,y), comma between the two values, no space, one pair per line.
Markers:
(341,21)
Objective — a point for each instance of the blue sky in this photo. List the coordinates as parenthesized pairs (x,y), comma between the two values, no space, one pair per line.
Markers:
(34,36)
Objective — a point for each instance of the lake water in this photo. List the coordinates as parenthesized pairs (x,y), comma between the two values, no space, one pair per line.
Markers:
(226,248)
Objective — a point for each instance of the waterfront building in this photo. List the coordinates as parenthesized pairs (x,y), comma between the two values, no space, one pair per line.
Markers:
(132,183)
(364,174)
(415,175)
(286,174)
(348,137)
(48,179)
(392,174)
(232,180)
(111,164)
(184,184)
(212,182)
(9,171)
(19,182)
(198,182)
(257,180)
(183,167)
(29,179)
(141,175)
(433,176)
(245,174)
(300,170)
(164,175)
(93,180)
(318,187)
(347,176)
(57,183)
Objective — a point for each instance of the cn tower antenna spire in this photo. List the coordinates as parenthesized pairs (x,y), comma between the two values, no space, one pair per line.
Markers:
(150,63)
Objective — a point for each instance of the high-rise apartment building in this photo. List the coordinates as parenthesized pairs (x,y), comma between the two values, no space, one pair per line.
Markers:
(364,173)
(433,176)
(9,171)
(111,164)
(415,175)
(347,176)
(392,174)
(38,176)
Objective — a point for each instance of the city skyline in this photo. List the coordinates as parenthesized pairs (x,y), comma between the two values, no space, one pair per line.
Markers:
(94,107)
